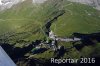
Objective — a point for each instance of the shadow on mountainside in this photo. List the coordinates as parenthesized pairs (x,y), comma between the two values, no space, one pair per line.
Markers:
(86,39)
(15,52)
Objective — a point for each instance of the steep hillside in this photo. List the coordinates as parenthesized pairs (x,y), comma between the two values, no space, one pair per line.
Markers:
(35,33)
(77,18)
(24,21)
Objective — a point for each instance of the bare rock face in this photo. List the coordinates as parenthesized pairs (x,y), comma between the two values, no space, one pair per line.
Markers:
(94,3)
(39,1)
(6,4)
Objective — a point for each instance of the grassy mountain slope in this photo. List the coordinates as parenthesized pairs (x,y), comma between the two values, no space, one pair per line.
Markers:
(24,23)
(78,18)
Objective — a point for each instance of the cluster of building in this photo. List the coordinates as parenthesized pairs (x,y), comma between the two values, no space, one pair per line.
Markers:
(53,44)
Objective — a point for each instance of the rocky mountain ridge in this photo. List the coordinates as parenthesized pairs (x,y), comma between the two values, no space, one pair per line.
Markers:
(94,3)
(6,4)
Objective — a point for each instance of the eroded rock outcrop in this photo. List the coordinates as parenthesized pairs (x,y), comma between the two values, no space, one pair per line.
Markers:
(6,4)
